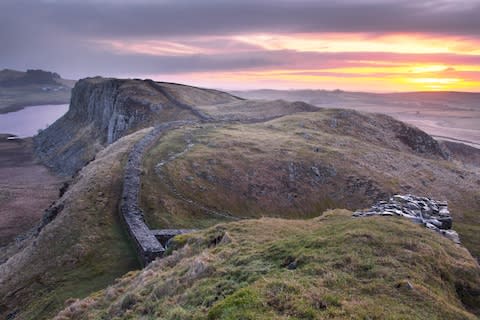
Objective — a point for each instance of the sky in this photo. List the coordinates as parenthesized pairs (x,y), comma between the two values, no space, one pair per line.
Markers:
(356,45)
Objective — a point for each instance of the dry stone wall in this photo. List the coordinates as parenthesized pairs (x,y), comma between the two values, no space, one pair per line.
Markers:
(433,214)
(147,246)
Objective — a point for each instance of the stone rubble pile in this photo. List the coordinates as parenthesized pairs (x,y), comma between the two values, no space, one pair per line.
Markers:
(432,214)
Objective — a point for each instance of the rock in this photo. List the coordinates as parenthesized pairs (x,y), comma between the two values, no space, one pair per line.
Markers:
(292,265)
(102,110)
(444,211)
(333,123)
(386,213)
(12,315)
(226,239)
(452,235)
(405,285)
(446,222)
(433,214)
(419,141)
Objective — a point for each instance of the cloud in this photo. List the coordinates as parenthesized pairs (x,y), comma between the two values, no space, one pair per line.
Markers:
(81,38)
(199,17)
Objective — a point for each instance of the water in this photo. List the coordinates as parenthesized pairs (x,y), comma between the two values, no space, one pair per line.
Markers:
(27,122)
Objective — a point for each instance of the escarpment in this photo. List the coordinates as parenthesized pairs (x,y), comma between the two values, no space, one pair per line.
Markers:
(104,110)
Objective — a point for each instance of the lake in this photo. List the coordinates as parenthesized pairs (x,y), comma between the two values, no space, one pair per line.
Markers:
(27,122)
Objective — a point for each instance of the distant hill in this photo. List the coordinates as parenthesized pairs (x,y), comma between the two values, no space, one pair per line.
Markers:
(446,115)
(34,87)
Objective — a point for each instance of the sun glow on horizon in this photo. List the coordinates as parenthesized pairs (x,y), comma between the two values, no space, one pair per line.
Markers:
(366,62)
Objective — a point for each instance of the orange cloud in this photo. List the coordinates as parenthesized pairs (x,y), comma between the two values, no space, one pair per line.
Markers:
(358,61)
(361,42)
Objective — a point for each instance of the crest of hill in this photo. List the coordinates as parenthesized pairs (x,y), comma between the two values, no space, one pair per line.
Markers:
(103,109)
(299,165)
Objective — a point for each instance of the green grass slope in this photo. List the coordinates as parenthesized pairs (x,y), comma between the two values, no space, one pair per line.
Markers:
(82,250)
(331,267)
(296,167)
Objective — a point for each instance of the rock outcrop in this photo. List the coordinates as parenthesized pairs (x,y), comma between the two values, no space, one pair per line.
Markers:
(432,214)
(418,140)
(104,110)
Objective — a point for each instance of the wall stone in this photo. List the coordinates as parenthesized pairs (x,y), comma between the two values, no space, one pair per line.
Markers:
(147,246)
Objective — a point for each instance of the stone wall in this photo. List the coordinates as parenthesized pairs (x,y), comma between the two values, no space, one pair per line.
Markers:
(147,246)
(432,214)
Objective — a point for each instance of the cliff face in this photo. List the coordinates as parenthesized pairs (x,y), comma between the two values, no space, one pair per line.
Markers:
(104,110)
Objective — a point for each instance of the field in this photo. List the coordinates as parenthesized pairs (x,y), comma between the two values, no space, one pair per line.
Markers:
(26,188)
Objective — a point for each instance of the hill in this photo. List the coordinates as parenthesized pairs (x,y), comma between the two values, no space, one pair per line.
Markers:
(233,162)
(446,115)
(331,267)
(102,110)
(33,87)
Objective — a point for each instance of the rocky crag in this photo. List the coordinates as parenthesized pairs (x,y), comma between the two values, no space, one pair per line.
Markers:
(432,214)
(104,110)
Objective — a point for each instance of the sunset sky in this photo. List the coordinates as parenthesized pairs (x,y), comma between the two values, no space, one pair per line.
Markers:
(363,45)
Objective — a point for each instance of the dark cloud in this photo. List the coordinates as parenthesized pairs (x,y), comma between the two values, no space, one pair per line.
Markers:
(199,17)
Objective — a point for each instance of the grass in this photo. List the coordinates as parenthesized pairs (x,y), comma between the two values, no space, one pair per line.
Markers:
(82,251)
(267,169)
(329,267)
(346,268)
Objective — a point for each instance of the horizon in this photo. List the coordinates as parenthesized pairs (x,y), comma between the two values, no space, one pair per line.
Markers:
(378,46)
(256,89)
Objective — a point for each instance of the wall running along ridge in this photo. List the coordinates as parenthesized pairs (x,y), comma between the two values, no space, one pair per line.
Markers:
(147,246)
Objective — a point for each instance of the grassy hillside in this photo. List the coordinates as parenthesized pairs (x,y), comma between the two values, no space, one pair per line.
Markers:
(334,267)
(296,167)
(292,167)
(82,250)
(446,115)
(103,110)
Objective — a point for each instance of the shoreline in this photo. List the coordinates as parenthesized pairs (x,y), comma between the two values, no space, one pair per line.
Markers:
(449,139)
(28,121)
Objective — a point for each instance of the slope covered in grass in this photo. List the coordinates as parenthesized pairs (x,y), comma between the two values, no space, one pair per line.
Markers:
(298,166)
(82,250)
(223,171)
(334,267)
